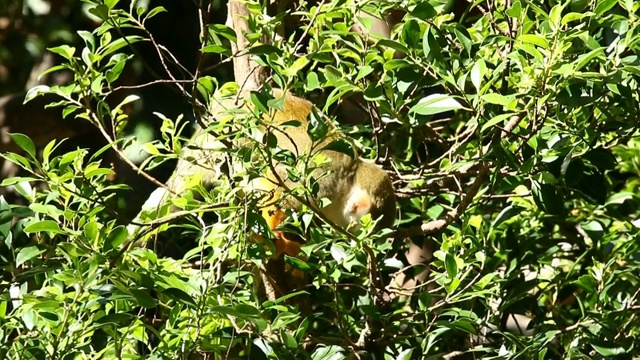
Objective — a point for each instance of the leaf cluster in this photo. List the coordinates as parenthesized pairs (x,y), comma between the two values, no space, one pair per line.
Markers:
(510,131)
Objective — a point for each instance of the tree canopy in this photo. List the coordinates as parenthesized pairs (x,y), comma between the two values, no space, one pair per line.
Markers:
(509,129)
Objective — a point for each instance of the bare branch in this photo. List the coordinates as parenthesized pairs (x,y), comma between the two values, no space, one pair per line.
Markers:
(440,224)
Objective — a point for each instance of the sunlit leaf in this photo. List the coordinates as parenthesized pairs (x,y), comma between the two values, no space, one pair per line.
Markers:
(435,104)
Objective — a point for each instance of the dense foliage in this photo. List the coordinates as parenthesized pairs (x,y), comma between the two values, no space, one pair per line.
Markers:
(509,128)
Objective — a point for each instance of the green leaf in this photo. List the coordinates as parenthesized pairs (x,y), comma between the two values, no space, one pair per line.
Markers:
(312,81)
(69,110)
(265,348)
(341,145)
(91,231)
(100,11)
(566,162)
(570,17)
(27,253)
(155,11)
(227,310)
(620,198)
(603,6)
(150,148)
(602,158)
(116,237)
(436,104)
(30,319)
(477,74)
(496,120)
(224,31)
(261,103)
(97,171)
(555,15)
(180,296)
(65,51)
(531,50)
(547,197)
(584,59)
(594,185)
(515,10)
(206,86)
(364,71)
(16,180)
(25,189)
(248,310)
(25,143)
(410,33)
(506,214)
(18,160)
(406,354)
(497,99)
(587,282)
(431,47)
(297,263)
(594,229)
(111,3)
(451,265)
(424,11)
(580,6)
(338,252)
(126,100)
(43,226)
(216,49)
(464,38)
(143,298)
(88,39)
(119,44)
(289,341)
(47,209)
(115,319)
(35,92)
(297,66)
(265,50)
(283,299)
(534,39)
(115,71)
(52,317)
(608,350)
(331,352)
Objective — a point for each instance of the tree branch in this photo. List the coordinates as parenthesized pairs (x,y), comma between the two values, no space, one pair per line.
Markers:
(438,225)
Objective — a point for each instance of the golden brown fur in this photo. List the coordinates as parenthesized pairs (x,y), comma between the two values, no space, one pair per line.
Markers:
(343,179)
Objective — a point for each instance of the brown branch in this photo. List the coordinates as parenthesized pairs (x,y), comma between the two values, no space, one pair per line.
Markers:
(245,70)
(440,224)
(306,30)
(489,15)
(251,76)
(150,83)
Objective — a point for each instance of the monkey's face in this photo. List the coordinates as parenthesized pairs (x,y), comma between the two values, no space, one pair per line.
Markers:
(356,205)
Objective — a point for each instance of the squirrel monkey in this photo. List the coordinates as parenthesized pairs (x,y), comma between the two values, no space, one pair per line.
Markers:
(355,187)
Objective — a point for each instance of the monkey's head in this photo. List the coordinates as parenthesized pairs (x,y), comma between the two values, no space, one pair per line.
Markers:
(372,192)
